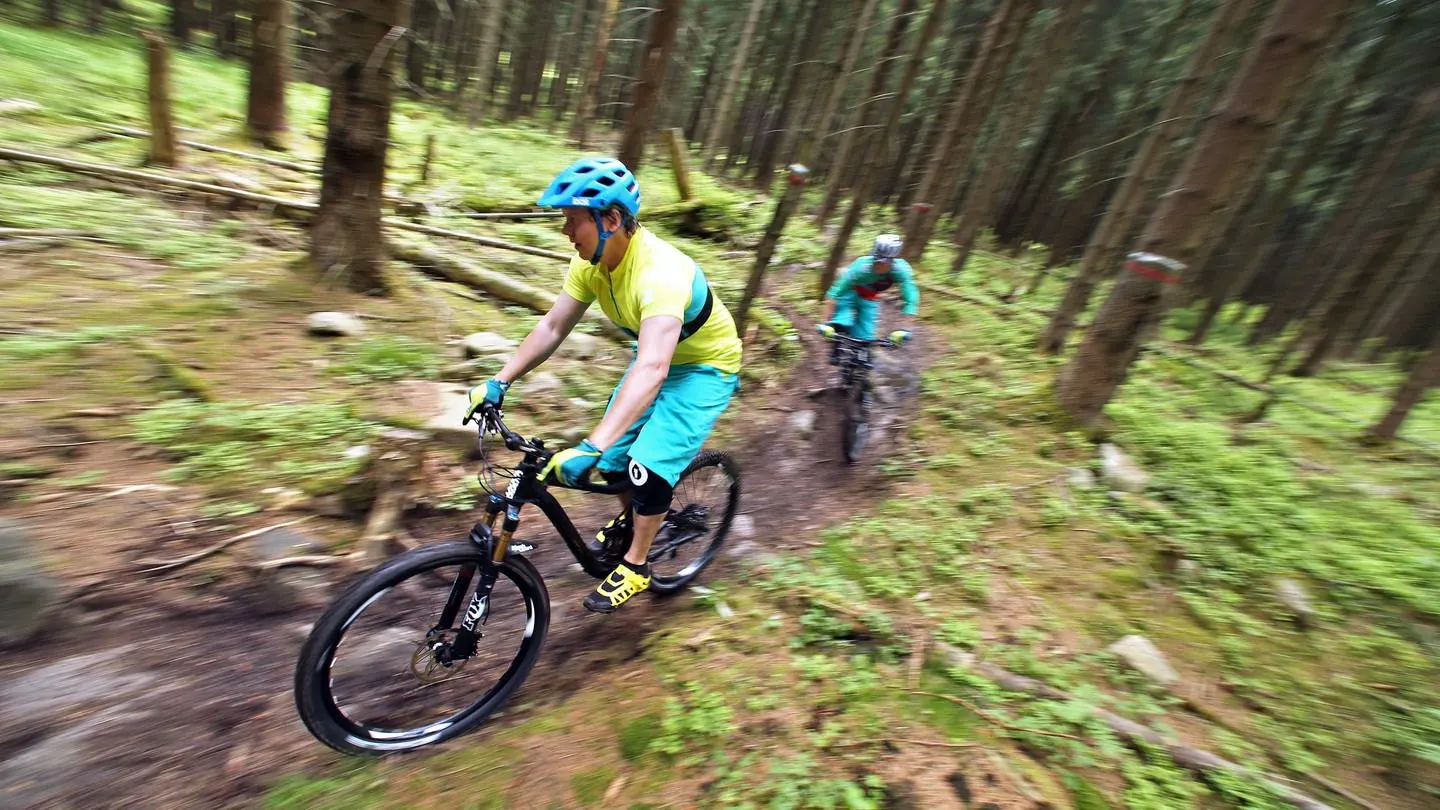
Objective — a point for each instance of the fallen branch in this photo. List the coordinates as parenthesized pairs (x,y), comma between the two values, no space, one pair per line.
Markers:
(1194,759)
(131,132)
(902,740)
(160,566)
(995,721)
(499,285)
(1347,795)
(314,560)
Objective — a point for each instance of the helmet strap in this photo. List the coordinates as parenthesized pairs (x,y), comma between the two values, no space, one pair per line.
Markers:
(602,233)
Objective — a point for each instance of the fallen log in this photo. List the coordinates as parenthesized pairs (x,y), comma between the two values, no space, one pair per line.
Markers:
(514,215)
(499,285)
(101,170)
(431,230)
(1194,759)
(131,132)
(280,204)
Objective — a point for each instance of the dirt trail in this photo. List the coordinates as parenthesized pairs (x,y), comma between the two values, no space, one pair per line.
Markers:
(176,691)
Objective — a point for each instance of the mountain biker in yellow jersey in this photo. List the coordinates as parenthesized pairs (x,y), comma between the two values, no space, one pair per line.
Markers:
(852,305)
(686,365)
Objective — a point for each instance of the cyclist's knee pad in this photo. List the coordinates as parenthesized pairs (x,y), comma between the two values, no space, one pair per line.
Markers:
(649,492)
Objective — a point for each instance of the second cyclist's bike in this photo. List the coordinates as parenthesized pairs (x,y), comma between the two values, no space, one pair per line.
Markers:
(431,643)
(854,360)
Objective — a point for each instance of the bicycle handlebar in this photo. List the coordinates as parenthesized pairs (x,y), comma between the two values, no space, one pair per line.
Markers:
(884,343)
(489,421)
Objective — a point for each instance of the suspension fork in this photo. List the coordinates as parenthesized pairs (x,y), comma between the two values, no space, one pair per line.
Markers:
(492,554)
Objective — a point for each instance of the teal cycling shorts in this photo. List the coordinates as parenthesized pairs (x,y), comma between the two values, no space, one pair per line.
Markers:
(671,431)
(860,315)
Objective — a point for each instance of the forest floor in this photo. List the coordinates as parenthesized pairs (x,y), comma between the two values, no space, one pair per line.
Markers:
(160,394)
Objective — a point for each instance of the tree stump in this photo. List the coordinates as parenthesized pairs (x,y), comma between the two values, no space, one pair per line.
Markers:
(397,470)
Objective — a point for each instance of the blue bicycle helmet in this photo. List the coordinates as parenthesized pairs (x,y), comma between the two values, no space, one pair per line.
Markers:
(596,184)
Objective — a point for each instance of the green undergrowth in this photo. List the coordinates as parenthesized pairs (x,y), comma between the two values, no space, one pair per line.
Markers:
(239,448)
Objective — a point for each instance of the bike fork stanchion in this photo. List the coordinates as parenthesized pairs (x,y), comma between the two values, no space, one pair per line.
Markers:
(475,612)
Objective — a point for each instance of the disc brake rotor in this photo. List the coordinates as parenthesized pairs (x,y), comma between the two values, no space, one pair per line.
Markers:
(428,669)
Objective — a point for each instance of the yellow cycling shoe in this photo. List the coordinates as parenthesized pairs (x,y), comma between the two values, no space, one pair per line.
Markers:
(615,590)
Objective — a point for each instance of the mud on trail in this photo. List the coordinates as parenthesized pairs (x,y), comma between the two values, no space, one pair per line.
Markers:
(175,690)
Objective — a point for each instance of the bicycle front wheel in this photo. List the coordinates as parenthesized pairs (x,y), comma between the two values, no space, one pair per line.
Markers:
(857,422)
(701,511)
(377,675)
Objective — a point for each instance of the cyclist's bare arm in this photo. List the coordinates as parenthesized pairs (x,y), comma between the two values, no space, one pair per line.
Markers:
(659,336)
(547,336)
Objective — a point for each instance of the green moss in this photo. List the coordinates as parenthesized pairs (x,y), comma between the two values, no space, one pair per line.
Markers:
(636,735)
(590,784)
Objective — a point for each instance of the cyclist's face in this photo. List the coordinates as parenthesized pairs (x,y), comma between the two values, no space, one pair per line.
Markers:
(882,265)
(580,229)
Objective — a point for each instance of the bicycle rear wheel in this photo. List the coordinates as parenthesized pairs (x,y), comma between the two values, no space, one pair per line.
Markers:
(701,511)
(373,677)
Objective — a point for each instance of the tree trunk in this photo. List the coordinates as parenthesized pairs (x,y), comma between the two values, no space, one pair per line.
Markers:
(1274,70)
(1256,255)
(798,72)
(699,122)
(181,14)
(559,98)
(345,237)
(269,66)
(1051,50)
(590,91)
(537,46)
(225,23)
(418,42)
(1335,323)
(462,54)
(721,122)
(1116,223)
(793,189)
(1348,226)
(967,116)
(95,17)
(162,121)
(491,15)
(51,9)
(953,83)
(1425,256)
(647,94)
(863,113)
(878,153)
(1424,375)
(1388,279)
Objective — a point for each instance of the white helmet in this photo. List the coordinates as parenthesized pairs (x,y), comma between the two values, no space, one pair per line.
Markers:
(887,246)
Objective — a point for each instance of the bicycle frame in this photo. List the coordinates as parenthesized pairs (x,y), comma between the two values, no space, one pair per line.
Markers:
(525,487)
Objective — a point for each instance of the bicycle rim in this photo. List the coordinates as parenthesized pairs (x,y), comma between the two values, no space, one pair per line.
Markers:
(701,511)
(369,679)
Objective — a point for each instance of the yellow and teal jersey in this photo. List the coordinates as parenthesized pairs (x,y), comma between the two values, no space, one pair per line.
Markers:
(654,279)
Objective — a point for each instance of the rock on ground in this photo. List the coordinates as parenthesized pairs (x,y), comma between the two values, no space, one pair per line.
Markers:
(1144,657)
(1119,471)
(1293,596)
(334,324)
(27,592)
(484,343)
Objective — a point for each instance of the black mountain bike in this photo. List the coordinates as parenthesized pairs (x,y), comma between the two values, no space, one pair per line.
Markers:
(855,364)
(428,645)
